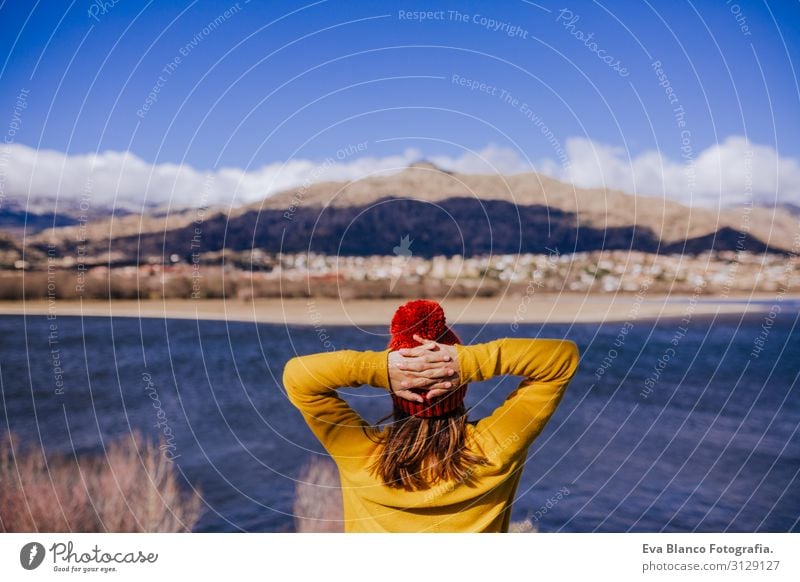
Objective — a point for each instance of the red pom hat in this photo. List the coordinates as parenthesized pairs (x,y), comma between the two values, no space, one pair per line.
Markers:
(425,318)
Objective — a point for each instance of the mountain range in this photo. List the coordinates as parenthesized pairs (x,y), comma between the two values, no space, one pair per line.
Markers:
(441,213)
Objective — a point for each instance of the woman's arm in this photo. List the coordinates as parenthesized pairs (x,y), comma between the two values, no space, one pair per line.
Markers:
(311,383)
(548,365)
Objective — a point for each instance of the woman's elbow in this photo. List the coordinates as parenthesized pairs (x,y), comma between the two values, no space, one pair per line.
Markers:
(292,373)
(572,358)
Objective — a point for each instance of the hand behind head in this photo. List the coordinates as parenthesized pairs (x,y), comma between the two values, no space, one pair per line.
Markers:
(431,367)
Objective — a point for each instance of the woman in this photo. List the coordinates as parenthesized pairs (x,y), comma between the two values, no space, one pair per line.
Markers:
(431,469)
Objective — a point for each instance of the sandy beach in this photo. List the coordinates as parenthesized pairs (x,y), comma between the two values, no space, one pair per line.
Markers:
(554,308)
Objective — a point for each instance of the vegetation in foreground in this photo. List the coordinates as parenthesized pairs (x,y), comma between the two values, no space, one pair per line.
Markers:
(133,487)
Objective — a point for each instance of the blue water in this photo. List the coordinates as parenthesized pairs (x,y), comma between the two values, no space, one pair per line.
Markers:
(713,446)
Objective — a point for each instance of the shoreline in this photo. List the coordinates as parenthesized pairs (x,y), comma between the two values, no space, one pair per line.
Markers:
(542,308)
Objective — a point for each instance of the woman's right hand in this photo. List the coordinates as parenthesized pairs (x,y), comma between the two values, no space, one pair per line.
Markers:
(431,366)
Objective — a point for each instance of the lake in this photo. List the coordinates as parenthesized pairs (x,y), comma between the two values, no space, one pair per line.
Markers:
(666,426)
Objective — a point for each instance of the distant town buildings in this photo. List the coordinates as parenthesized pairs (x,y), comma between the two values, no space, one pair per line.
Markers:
(260,274)
(598,270)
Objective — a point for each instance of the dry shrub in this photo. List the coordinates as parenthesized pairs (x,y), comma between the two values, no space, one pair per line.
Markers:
(318,498)
(132,488)
(120,286)
(212,285)
(10,286)
(524,526)
(178,287)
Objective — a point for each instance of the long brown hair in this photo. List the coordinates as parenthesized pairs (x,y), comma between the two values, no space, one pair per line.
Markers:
(419,452)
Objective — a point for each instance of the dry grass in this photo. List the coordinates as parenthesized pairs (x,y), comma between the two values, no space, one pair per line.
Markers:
(524,526)
(318,499)
(132,488)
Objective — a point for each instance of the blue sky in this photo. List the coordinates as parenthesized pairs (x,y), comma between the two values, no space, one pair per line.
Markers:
(296,82)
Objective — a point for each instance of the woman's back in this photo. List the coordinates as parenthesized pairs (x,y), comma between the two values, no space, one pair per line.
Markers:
(480,502)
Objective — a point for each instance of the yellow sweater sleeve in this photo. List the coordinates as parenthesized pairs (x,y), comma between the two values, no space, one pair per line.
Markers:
(547,365)
(311,382)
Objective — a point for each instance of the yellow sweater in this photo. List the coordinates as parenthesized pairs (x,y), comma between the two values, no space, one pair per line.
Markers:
(481,505)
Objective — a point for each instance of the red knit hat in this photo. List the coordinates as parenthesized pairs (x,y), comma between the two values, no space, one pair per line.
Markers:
(425,318)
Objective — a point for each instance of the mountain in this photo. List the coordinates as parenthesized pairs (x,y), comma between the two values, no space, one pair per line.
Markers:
(17,219)
(792,209)
(669,221)
(26,217)
(442,213)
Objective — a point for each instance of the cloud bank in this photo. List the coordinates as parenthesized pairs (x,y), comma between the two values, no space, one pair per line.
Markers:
(732,172)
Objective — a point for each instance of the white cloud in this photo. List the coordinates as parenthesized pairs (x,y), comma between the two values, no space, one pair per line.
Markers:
(731,172)
(724,174)
(123,179)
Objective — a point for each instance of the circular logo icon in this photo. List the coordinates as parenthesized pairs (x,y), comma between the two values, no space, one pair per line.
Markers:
(31,555)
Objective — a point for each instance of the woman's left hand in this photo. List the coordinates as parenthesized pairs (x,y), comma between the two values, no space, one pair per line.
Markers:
(430,367)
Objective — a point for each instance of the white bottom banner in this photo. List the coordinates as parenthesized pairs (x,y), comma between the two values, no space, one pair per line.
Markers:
(401,557)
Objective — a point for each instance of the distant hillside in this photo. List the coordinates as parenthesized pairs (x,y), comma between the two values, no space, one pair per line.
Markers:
(669,221)
(443,213)
(17,220)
